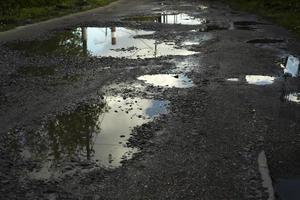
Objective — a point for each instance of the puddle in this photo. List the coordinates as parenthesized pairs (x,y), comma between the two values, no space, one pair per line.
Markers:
(190,43)
(259,80)
(233,79)
(245,28)
(168,80)
(265,41)
(288,189)
(294,97)
(292,66)
(169,17)
(104,42)
(247,23)
(208,28)
(96,133)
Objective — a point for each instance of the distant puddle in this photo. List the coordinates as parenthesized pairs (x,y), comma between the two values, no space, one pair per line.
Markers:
(294,97)
(265,41)
(104,42)
(233,79)
(170,17)
(212,27)
(292,66)
(260,80)
(255,79)
(167,80)
(247,23)
(95,133)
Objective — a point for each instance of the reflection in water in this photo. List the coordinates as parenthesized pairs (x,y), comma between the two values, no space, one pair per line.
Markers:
(168,80)
(294,97)
(292,66)
(169,17)
(181,18)
(96,133)
(104,42)
(260,80)
(233,79)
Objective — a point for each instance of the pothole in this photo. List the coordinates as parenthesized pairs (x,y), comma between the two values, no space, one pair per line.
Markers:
(259,80)
(265,41)
(255,79)
(95,133)
(212,27)
(248,23)
(169,17)
(294,97)
(168,80)
(118,42)
(233,79)
(291,67)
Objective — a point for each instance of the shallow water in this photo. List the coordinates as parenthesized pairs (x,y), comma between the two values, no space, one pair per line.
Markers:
(259,80)
(93,133)
(292,66)
(168,80)
(294,97)
(104,42)
(170,17)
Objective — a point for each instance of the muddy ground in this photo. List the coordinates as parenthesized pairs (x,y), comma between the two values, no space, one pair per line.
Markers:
(205,144)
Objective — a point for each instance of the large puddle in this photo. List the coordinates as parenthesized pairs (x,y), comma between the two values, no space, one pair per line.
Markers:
(96,133)
(104,42)
(168,80)
(170,17)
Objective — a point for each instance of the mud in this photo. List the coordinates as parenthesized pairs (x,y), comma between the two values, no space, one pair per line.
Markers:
(89,111)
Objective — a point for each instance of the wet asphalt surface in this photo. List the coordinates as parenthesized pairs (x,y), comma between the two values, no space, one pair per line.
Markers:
(204,147)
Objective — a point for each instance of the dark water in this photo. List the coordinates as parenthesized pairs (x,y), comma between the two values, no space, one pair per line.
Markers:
(103,42)
(92,133)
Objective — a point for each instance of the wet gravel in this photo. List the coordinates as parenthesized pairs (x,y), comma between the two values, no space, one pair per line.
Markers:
(204,147)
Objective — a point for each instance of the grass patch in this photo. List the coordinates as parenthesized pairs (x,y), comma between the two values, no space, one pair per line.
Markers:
(21,15)
(283,12)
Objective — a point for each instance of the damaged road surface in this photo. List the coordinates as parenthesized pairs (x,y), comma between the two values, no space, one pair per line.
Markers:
(153,100)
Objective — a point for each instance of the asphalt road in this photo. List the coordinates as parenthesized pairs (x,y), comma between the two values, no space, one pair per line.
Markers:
(205,146)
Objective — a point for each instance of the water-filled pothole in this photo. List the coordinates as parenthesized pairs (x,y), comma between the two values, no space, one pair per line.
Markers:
(104,42)
(291,66)
(168,80)
(96,133)
(260,80)
(265,41)
(294,97)
(248,23)
(255,79)
(169,17)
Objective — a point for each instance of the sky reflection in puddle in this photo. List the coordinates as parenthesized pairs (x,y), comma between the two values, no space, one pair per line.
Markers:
(292,66)
(168,80)
(259,80)
(105,42)
(95,133)
(255,79)
(294,97)
(170,17)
